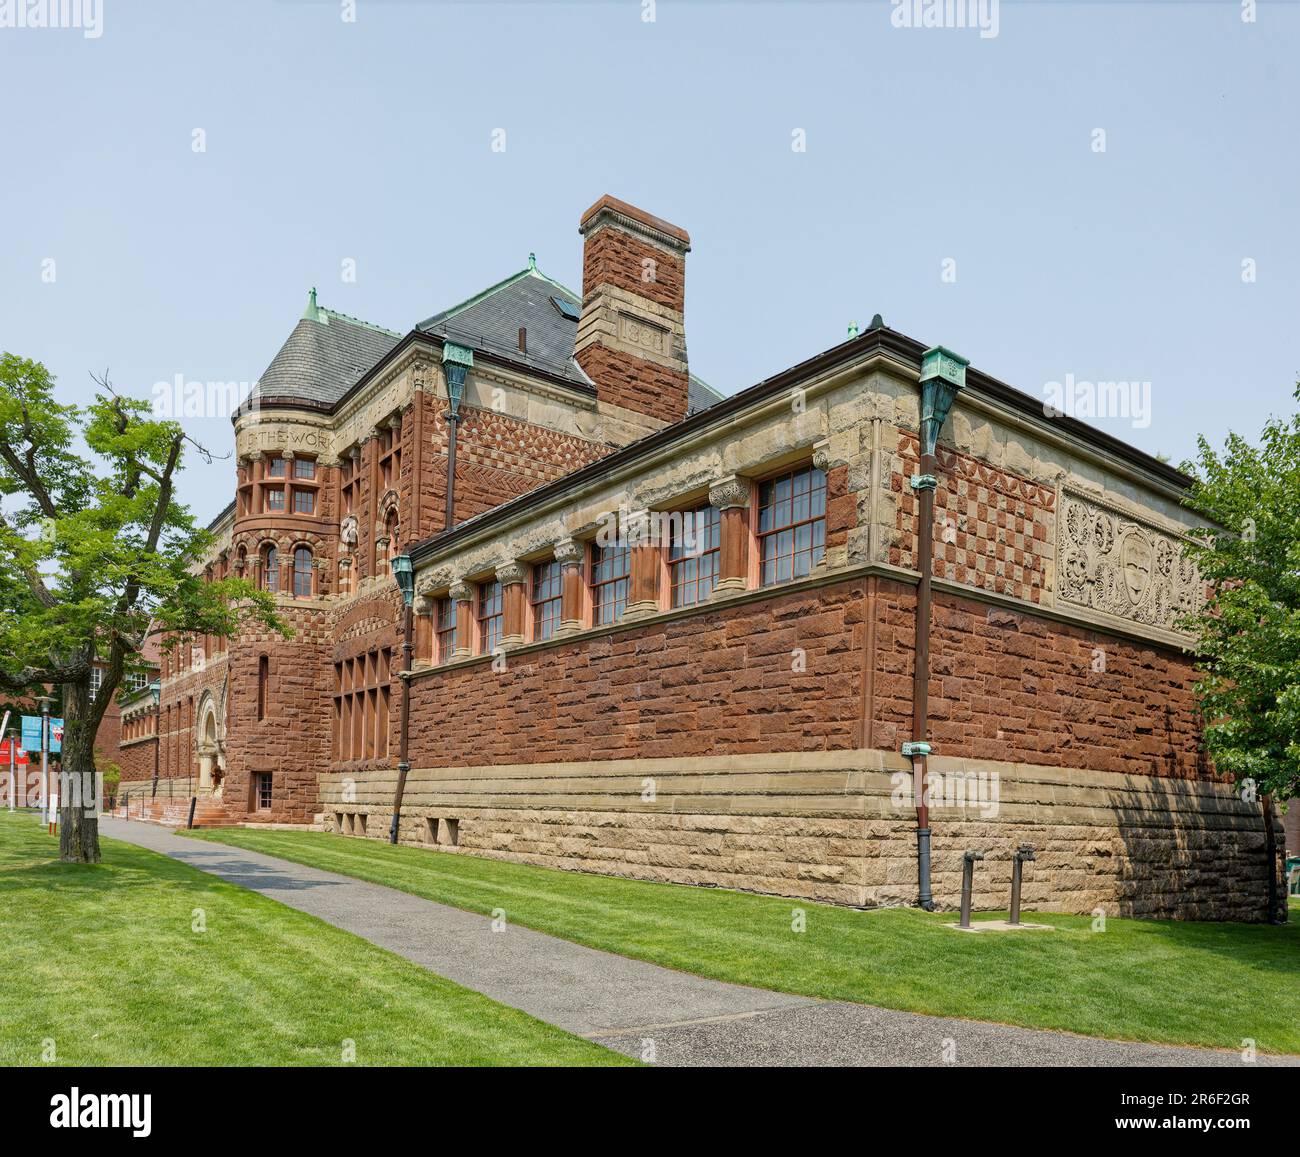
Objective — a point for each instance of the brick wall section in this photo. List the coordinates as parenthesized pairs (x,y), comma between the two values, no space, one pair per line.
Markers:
(497,458)
(291,741)
(1015,686)
(612,256)
(636,383)
(992,528)
(716,683)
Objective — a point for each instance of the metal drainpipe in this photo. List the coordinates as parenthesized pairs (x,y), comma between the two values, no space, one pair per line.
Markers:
(403,762)
(943,375)
(453,420)
(924,486)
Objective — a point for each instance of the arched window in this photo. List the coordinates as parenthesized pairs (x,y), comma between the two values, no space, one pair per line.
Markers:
(271,569)
(390,529)
(302,572)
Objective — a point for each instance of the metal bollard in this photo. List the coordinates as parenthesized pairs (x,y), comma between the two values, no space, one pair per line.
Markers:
(967,880)
(1023,853)
(193,802)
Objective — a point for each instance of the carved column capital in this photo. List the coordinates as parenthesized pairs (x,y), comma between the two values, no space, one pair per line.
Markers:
(729,493)
(509,573)
(570,552)
(461,591)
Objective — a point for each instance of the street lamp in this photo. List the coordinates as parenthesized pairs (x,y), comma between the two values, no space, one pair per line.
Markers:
(457,361)
(404,573)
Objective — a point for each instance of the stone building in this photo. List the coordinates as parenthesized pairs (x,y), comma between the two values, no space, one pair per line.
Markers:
(669,635)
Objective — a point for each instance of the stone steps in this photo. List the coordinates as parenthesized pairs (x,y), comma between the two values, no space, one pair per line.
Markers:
(174,813)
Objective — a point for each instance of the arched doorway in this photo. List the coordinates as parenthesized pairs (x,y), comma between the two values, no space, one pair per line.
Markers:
(209,750)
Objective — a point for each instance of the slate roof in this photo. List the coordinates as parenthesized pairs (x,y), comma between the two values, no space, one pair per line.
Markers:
(324,356)
(490,321)
(328,353)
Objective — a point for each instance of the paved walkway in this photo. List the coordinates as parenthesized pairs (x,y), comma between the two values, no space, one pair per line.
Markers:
(627,1004)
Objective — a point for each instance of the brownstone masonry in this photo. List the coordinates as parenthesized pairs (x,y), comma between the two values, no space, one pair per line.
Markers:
(728,711)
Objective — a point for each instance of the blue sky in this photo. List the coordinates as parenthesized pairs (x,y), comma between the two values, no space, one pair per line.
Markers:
(372,141)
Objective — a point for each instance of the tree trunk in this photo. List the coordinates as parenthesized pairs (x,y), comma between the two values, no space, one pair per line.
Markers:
(78,785)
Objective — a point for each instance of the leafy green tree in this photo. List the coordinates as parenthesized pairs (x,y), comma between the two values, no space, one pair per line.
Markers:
(1249,629)
(96,555)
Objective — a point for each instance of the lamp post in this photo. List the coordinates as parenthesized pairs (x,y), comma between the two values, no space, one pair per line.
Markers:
(155,689)
(404,573)
(943,374)
(457,361)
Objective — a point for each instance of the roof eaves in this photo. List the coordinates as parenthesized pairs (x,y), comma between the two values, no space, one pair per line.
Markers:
(882,340)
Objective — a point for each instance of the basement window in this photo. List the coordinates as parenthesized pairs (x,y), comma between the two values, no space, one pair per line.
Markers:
(450,832)
(431,835)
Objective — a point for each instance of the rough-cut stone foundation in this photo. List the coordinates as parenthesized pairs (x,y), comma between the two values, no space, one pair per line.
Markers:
(840,828)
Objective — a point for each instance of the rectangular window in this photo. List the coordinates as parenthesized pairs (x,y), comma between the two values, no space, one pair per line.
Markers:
(96,680)
(791,524)
(262,781)
(304,501)
(445,630)
(546,597)
(275,499)
(694,549)
(304,468)
(490,612)
(611,567)
(275,468)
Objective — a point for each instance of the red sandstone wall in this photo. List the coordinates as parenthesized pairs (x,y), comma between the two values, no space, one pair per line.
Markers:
(721,682)
(1015,686)
(291,740)
(1005,685)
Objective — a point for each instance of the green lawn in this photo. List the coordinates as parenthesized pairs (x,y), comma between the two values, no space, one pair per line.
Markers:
(1206,984)
(104,962)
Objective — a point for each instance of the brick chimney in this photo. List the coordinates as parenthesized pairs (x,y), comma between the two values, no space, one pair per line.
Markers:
(631,341)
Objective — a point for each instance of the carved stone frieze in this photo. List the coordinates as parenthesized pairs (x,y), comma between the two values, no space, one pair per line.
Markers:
(1122,565)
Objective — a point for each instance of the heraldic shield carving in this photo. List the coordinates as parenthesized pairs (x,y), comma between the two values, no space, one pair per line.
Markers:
(1114,563)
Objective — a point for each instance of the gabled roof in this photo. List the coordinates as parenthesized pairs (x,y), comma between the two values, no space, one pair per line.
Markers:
(324,356)
(490,321)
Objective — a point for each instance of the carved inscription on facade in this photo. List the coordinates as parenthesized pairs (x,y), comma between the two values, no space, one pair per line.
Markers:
(1124,566)
(642,334)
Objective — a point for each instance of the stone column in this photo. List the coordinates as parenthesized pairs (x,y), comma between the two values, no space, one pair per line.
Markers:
(570,555)
(731,497)
(462,594)
(423,608)
(514,603)
(643,568)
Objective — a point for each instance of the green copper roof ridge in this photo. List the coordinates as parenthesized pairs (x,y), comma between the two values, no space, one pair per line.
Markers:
(359,322)
(530,270)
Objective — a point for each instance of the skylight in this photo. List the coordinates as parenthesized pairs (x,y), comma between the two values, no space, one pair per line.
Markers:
(567,308)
